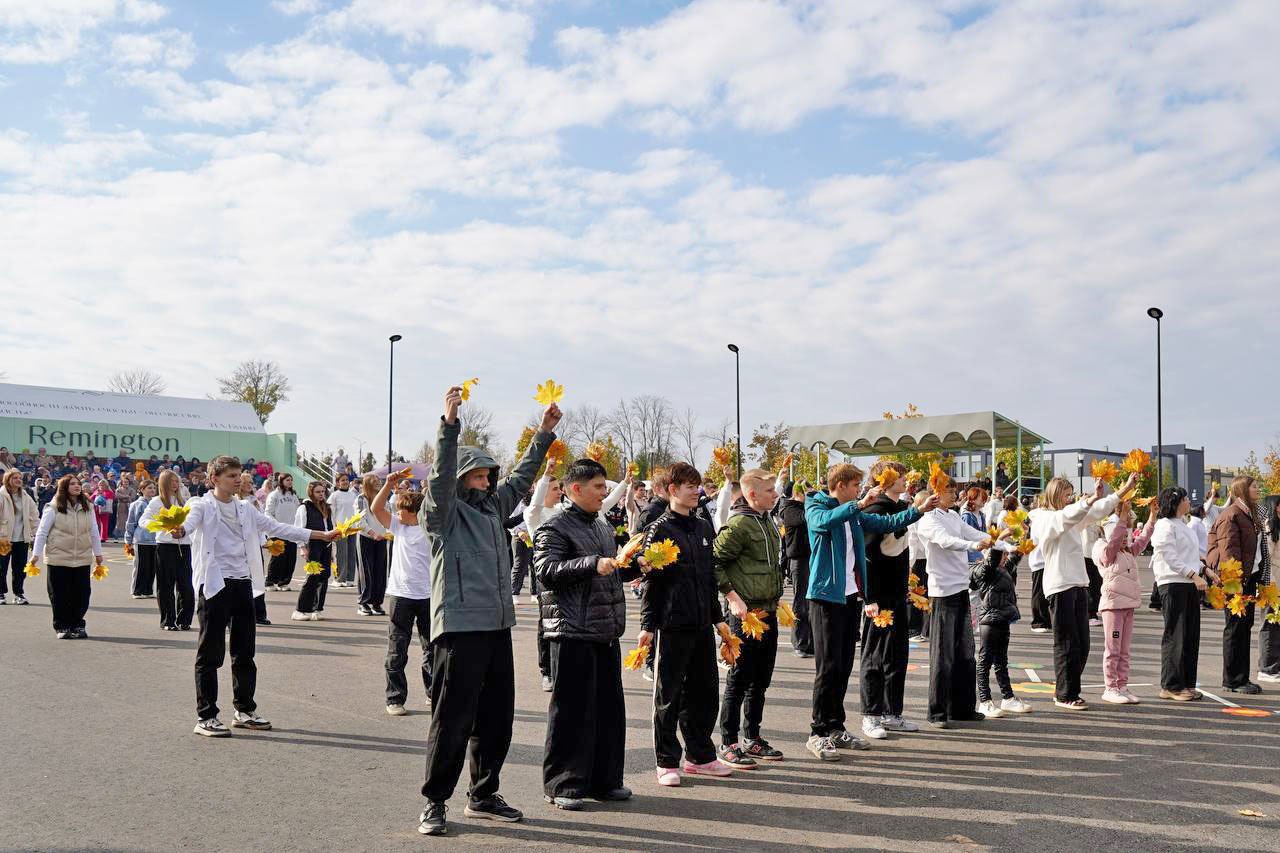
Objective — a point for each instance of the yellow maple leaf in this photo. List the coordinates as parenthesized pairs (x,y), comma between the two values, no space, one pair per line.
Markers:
(636,657)
(557,451)
(275,547)
(1104,470)
(1230,569)
(526,538)
(1274,617)
(994,532)
(5,547)
(1269,596)
(722,457)
(1026,546)
(1144,502)
(128,550)
(920,602)
(466,388)
(1237,605)
(633,468)
(661,554)
(349,527)
(731,649)
(1216,597)
(1137,462)
(333,568)
(786,616)
(32,570)
(887,478)
(596,451)
(169,518)
(549,392)
(313,567)
(914,476)
(100,572)
(753,624)
(883,619)
(938,479)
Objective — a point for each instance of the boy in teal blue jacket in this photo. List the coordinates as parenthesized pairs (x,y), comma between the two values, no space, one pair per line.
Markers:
(836,526)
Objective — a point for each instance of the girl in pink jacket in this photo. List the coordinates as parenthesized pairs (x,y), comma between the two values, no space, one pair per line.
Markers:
(1116,554)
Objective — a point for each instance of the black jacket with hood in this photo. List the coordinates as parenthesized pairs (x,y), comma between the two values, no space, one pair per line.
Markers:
(887,573)
(683,595)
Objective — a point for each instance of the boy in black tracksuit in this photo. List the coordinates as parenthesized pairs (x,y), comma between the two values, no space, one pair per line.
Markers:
(996,581)
(680,603)
(795,549)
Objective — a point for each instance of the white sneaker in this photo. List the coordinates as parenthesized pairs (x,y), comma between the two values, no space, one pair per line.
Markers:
(315,617)
(242,720)
(989,710)
(515,599)
(1262,676)
(396,710)
(1115,697)
(1039,630)
(1131,696)
(299,616)
(1015,706)
(872,728)
(897,724)
(1095,623)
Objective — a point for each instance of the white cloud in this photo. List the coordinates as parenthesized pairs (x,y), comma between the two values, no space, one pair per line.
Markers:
(485,27)
(50,31)
(296,7)
(170,48)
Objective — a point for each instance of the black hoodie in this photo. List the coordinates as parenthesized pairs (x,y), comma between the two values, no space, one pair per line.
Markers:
(886,576)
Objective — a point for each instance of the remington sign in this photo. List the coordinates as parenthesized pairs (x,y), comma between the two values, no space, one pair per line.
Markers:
(39,435)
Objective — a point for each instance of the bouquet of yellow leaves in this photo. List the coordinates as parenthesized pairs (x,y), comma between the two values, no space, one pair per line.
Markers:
(549,392)
(1137,462)
(1238,604)
(659,555)
(1104,470)
(628,552)
(99,572)
(723,458)
(636,658)
(5,547)
(556,453)
(169,518)
(633,468)
(883,619)
(351,526)
(914,476)
(32,570)
(1231,575)
(1216,597)
(275,547)
(887,478)
(466,388)
(128,550)
(1269,596)
(753,624)
(313,567)
(938,479)
(786,616)
(596,451)
(730,645)
(1026,546)
(920,599)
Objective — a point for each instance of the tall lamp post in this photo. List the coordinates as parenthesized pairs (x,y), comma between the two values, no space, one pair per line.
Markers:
(737,396)
(391,396)
(1156,314)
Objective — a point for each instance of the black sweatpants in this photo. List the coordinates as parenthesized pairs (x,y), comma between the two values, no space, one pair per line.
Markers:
(173,579)
(402,615)
(1095,586)
(835,640)
(686,686)
(231,608)
(280,569)
(69,592)
(145,559)
(371,578)
(15,563)
(314,589)
(1155,603)
(1041,615)
(1180,643)
(802,631)
(1269,647)
(586,720)
(884,662)
(918,623)
(1070,640)
(748,680)
(473,700)
(1237,634)
(993,652)
(952,671)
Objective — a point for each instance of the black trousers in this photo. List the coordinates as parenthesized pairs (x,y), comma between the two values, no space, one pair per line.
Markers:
(748,680)
(884,662)
(1237,634)
(372,577)
(1095,586)
(260,608)
(14,562)
(1180,643)
(586,720)
(802,631)
(993,651)
(173,576)
(231,609)
(835,640)
(314,588)
(280,569)
(1070,640)
(544,650)
(1155,603)
(1041,615)
(522,565)
(473,700)
(402,615)
(1269,648)
(69,592)
(686,687)
(952,671)
(145,560)
(918,623)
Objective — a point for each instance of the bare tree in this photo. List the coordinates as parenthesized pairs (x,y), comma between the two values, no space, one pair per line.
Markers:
(426,454)
(477,427)
(686,430)
(261,384)
(645,429)
(584,424)
(141,382)
(722,434)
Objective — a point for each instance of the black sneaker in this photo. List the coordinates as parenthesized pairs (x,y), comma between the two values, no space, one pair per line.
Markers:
(493,808)
(378,611)
(431,821)
(735,756)
(760,750)
(364,610)
(1248,688)
(82,634)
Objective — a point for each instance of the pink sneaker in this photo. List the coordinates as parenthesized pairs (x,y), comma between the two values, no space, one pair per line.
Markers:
(711,768)
(668,777)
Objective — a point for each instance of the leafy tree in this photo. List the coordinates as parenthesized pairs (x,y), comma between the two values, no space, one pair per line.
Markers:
(770,445)
(261,384)
(367,464)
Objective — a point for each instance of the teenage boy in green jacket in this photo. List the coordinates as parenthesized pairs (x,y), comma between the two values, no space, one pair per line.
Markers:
(749,575)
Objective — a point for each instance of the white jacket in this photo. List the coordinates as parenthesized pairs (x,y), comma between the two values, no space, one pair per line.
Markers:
(201,527)
(163,537)
(948,541)
(1175,552)
(1057,534)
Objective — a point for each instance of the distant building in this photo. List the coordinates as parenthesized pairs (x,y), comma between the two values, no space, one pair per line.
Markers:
(1184,466)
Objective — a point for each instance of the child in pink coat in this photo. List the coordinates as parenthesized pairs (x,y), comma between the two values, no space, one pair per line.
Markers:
(1116,554)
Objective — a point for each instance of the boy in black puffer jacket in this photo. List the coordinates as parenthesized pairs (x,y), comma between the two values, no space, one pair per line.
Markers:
(996,581)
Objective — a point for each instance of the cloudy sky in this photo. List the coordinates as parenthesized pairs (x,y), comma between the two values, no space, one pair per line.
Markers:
(965,205)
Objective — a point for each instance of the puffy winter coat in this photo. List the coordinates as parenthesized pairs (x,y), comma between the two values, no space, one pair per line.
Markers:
(1116,556)
(746,552)
(1234,535)
(576,602)
(997,587)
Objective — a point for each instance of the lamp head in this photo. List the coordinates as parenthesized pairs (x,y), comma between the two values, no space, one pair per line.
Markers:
(1155,313)
(395,338)
(733,348)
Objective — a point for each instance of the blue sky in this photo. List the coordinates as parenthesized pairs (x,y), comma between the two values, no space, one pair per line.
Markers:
(958,204)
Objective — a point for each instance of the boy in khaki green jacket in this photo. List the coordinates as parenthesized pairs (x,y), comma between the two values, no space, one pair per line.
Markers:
(749,575)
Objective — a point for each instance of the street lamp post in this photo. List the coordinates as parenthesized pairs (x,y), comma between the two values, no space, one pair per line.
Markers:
(1156,314)
(737,395)
(391,395)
